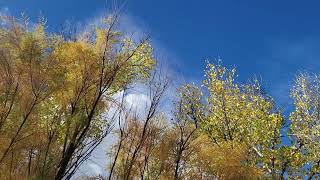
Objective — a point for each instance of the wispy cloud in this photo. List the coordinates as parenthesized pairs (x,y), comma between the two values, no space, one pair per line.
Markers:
(4,11)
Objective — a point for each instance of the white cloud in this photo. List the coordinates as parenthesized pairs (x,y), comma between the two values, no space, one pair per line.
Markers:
(138,102)
(96,169)
(4,11)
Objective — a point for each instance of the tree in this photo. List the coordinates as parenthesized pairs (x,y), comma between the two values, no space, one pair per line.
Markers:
(242,115)
(138,136)
(185,124)
(55,91)
(304,127)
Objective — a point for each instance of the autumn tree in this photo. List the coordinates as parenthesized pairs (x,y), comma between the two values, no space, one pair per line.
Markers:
(138,135)
(55,92)
(241,115)
(304,127)
(187,116)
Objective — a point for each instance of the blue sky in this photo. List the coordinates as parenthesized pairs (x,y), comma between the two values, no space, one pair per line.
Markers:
(271,39)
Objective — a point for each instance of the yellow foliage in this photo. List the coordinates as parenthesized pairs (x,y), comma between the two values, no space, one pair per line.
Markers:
(54,92)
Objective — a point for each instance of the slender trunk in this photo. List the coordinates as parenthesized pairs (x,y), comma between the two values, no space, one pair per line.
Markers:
(176,171)
(136,151)
(65,161)
(46,156)
(29,162)
(74,144)
(313,173)
(115,160)
(144,167)
(133,159)
(11,165)
(17,133)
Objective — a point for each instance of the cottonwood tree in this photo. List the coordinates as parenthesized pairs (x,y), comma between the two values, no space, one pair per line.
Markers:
(304,127)
(188,115)
(165,150)
(138,135)
(55,92)
(242,115)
